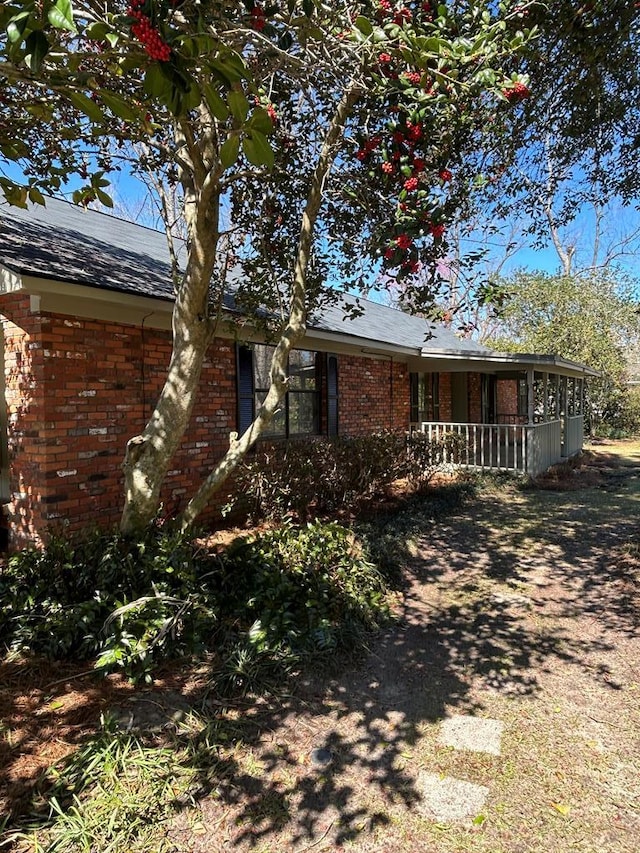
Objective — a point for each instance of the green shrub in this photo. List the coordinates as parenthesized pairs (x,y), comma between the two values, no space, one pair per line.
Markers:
(309,588)
(262,604)
(301,478)
(129,602)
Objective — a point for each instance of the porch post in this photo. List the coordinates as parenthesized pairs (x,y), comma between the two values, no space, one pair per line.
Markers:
(529,435)
(545,399)
(530,396)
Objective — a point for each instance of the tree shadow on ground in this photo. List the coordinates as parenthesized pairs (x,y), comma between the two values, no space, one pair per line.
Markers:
(330,760)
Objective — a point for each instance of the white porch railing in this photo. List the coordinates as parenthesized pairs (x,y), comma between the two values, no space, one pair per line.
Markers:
(525,448)
(573,435)
(544,446)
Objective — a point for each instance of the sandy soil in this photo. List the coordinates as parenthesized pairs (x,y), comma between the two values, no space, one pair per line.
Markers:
(523,607)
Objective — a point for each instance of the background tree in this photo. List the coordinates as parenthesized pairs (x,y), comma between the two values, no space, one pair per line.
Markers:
(568,179)
(592,319)
(575,142)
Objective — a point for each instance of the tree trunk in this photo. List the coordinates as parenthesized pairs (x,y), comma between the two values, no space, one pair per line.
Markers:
(296,326)
(148,455)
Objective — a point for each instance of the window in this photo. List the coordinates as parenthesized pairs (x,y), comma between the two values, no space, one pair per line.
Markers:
(425,397)
(300,411)
(523,397)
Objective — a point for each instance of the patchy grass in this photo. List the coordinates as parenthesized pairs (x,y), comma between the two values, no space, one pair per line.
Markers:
(519,605)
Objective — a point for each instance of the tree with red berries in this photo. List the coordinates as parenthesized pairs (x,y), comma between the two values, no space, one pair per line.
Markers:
(313,141)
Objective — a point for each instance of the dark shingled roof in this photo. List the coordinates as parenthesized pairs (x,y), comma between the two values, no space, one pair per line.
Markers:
(64,242)
(67,243)
(387,325)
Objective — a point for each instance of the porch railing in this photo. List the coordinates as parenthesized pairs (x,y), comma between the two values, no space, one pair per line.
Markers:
(524,448)
(573,435)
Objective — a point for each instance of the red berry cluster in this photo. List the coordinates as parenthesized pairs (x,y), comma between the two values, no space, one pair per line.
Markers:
(413,77)
(414,131)
(515,93)
(258,19)
(369,146)
(387,10)
(148,36)
(397,153)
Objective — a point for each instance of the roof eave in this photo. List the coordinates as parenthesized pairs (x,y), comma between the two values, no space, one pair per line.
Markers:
(524,360)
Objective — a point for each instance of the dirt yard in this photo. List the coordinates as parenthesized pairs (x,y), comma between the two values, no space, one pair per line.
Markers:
(501,714)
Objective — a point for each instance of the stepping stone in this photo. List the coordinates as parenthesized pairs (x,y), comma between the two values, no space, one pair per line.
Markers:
(476,734)
(449,800)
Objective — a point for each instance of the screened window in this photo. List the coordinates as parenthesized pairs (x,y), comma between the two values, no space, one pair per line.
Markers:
(299,411)
(425,397)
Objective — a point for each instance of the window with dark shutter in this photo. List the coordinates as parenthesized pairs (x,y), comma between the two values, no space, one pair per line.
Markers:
(299,413)
(246,409)
(332,395)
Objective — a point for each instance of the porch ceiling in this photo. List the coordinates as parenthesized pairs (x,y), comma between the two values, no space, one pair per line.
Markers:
(449,361)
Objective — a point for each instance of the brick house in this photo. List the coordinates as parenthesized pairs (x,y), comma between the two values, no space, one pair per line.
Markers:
(85,303)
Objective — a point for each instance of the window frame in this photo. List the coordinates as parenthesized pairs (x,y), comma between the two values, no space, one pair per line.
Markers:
(427,386)
(324,369)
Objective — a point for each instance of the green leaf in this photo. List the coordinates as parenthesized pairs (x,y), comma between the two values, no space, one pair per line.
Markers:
(17,26)
(37,46)
(97,31)
(35,196)
(364,25)
(257,149)
(229,151)
(155,83)
(237,65)
(103,198)
(260,121)
(215,103)
(190,98)
(239,105)
(61,16)
(15,195)
(119,106)
(230,67)
(14,149)
(87,106)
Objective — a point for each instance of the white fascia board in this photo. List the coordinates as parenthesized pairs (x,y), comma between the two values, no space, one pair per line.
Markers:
(493,361)
(318,339)
(77,300)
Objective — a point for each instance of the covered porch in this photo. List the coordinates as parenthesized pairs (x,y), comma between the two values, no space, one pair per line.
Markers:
(511,412)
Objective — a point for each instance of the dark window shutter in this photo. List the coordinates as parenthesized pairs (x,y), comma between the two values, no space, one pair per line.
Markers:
(413,392)
(332,395)
(435,393)
(246,397)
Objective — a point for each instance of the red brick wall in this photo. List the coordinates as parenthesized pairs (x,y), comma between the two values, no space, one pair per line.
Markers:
(26,422)
(445,398)
(78,389)
(507,397)
(373,395)
(475,397)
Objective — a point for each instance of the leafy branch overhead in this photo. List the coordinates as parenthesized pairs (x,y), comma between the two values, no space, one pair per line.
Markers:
(121,73)
(307,142)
